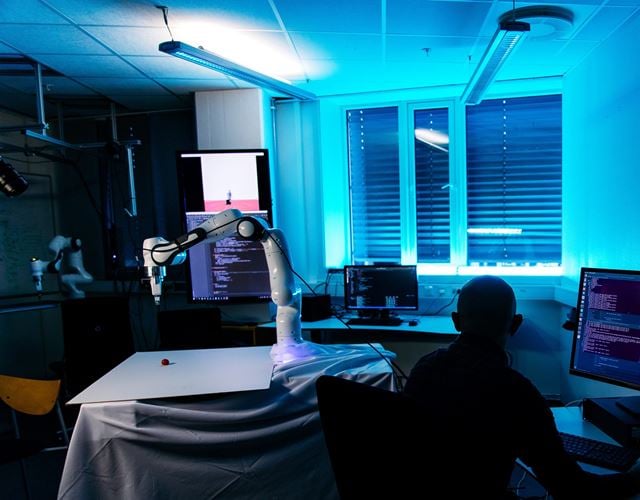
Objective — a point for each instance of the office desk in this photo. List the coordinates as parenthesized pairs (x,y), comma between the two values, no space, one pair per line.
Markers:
(258,444)
(569,419)
(332,330)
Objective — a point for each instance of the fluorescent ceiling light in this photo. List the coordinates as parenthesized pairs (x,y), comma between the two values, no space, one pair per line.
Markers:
(215,62)
(504,42)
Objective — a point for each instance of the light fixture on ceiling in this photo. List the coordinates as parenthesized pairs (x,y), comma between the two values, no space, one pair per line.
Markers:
(203,57)
(503,43)
(215,62)
(513,27)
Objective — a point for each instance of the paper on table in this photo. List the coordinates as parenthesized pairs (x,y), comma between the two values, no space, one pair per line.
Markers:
(189,373)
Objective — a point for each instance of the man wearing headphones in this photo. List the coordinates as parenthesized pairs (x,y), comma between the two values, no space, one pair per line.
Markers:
(492,414)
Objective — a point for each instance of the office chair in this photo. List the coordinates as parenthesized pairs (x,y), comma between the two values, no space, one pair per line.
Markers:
(370,434)
(31,397)
(384,444)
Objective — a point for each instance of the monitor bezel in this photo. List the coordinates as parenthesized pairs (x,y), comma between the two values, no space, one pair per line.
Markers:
(582,373)
(380,266)
(191,205)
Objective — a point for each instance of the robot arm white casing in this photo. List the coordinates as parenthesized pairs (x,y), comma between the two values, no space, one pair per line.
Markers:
(158,252)
(67,263)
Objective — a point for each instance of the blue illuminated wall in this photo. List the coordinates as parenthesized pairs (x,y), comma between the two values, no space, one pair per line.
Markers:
(601,156)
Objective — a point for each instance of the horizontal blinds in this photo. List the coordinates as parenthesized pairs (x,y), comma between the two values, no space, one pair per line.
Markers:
(374,184)
(432,185)
(514,181)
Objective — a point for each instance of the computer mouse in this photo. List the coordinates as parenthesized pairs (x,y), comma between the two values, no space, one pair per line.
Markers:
(413,322)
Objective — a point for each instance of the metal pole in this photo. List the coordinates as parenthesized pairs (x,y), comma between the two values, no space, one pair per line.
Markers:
(132,188)
(40,98)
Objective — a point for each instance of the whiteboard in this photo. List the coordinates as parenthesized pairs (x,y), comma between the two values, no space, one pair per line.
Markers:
(27,224)
(189,372)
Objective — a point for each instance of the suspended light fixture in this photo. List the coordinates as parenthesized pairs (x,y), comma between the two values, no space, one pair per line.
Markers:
(202,57)
(213,61)
(504,42)
(513,27)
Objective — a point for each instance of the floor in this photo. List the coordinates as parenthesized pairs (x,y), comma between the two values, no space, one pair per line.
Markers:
(43,470)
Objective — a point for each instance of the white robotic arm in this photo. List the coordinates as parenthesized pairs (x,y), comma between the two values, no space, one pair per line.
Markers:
(67,263)
(158,253)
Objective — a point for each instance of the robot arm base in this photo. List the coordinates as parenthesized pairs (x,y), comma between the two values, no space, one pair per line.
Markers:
(285,353)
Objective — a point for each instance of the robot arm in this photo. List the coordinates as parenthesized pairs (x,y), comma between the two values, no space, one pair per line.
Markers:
(67,263)
(158,253)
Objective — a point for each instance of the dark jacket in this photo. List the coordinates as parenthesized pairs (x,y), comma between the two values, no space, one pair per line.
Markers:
(494,415)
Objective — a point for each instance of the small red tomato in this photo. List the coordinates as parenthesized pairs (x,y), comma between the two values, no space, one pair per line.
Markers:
(164,362)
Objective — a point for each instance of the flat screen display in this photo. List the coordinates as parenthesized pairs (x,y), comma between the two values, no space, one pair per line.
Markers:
(606,341)
(211,181)
(380,288)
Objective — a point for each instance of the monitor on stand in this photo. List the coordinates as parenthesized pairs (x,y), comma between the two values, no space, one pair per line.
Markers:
(606,341)
(377,292)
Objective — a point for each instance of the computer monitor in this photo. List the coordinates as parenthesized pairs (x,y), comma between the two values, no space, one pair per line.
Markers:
(231,270)
(606,341)
(375,291)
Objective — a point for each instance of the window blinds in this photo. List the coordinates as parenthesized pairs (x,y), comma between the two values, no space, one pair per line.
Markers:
(375,184)
(514,181)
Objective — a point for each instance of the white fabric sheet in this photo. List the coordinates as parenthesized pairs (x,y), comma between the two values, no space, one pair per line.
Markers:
(249,445)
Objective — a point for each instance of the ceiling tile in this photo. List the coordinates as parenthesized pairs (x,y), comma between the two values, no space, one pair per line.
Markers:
(51,85)
(413,49)
(417,17)
(49,39)
(242,14)
(28,11)
(353,16)
(92,66)
(130,41)
(338,45)
(123,86)
(606,21)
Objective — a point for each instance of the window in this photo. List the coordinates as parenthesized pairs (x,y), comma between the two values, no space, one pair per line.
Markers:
(431,146)
(506,211)
(514,186)
(374,184)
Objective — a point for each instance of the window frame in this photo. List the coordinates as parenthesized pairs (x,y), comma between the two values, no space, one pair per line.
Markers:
(457,177)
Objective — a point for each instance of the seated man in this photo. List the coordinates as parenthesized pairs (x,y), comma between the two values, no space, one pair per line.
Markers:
(492,414)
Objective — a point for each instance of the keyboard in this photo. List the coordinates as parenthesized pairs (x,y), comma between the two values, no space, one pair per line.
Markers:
(607,455)
(375,321)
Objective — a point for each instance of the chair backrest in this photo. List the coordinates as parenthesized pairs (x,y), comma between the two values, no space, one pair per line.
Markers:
(31,396)
(381,444)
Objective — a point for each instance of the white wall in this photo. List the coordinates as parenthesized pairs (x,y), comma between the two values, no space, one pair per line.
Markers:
(601,174)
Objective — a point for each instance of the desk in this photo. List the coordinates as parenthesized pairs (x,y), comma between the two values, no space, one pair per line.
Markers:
(332,330)
(259,444)
(569,419)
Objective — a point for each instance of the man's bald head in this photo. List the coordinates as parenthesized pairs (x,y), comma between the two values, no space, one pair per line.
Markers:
(487,307)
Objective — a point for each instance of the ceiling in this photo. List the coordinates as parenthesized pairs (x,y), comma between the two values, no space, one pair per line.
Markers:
(96,52)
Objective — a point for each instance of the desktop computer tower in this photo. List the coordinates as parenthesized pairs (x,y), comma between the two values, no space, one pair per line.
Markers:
(97,337)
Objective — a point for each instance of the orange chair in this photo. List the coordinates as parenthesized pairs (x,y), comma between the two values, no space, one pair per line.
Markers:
(31,397)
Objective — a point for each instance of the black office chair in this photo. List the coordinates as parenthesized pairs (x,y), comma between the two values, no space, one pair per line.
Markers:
(378,441)
(384,444)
